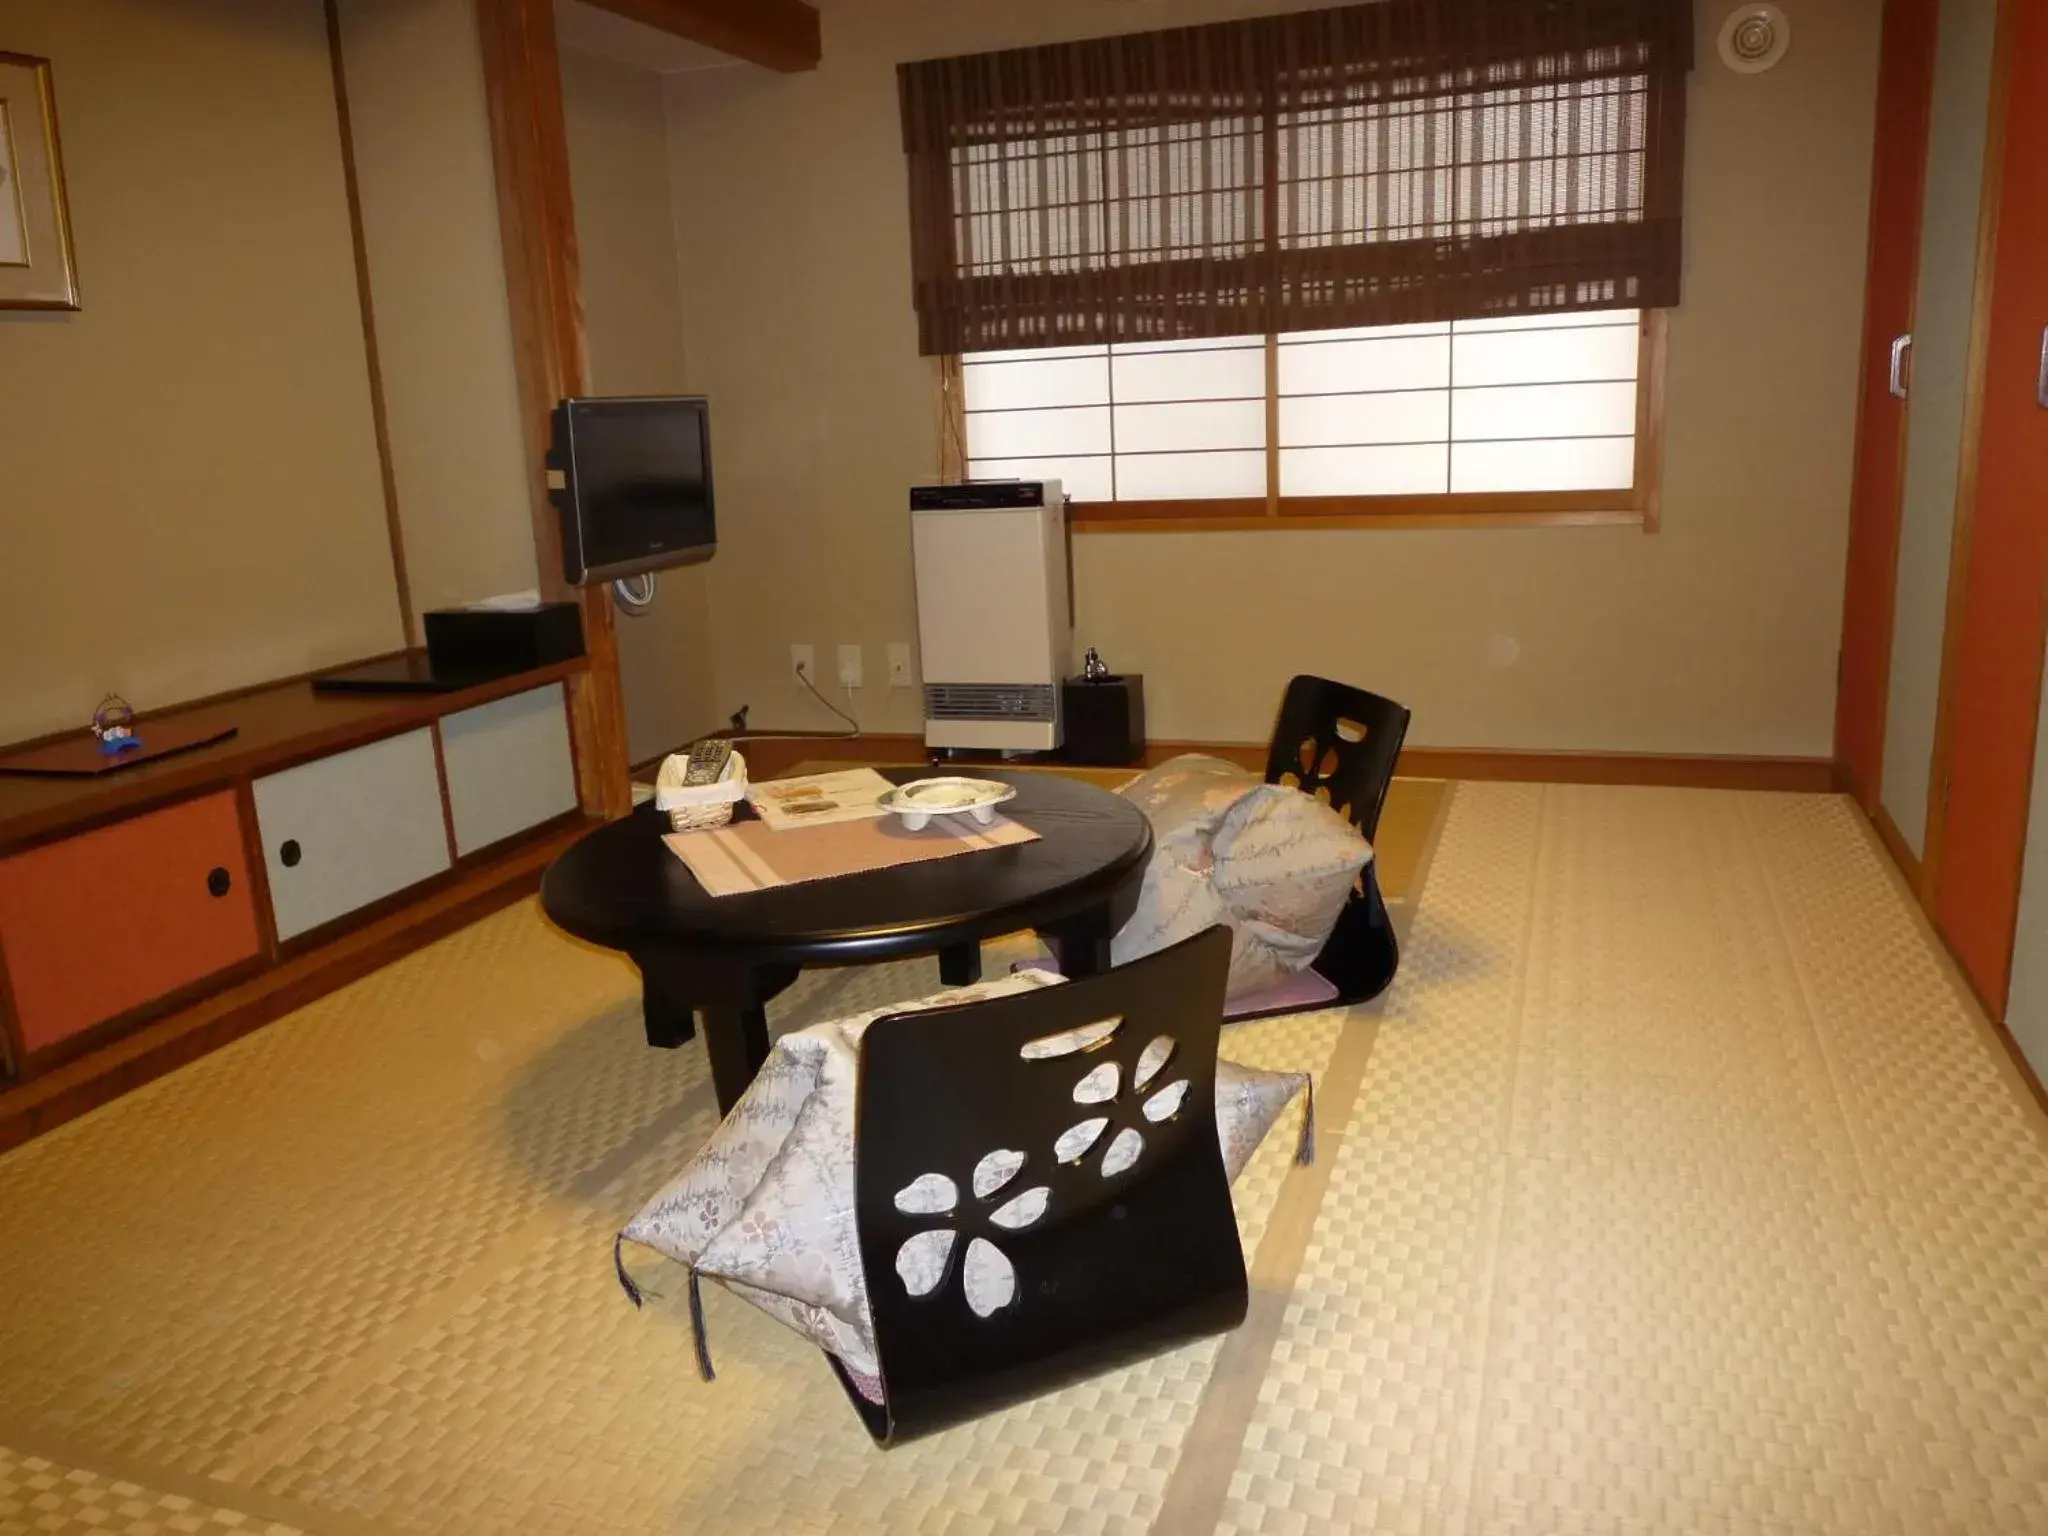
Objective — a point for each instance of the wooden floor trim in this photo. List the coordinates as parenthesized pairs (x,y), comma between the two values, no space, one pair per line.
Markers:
(2026,1083)
(42,1103)
(1798,775)
(768,756)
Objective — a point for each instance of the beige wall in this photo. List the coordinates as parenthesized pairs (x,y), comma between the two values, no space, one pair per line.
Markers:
(437,280)
(189,493)
(1717,634)
(632,315)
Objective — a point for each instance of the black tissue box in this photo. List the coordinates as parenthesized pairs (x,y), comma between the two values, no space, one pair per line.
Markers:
(497,642)
(1104,721)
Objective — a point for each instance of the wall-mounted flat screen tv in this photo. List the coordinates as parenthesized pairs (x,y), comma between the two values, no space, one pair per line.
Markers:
(631,477)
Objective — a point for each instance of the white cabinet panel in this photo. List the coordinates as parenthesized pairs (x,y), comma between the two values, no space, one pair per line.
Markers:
(340,832)
(509,766)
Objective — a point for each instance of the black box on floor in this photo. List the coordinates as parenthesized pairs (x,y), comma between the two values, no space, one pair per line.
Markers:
(1104,720)
(496,642)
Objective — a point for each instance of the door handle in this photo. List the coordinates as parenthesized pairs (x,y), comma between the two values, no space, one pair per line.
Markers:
(2041,377)
(1898,375)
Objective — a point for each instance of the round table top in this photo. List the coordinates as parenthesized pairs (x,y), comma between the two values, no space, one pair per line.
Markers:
(620,887)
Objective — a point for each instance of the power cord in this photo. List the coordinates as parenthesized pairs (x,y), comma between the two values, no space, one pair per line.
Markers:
(738,732)
(804,676)
(634,599)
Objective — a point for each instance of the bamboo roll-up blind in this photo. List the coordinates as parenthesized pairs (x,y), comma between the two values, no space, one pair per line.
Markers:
(1380,164)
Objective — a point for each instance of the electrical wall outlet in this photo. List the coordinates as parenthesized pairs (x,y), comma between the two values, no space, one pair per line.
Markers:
(802,664)
(849,666)
(899,664)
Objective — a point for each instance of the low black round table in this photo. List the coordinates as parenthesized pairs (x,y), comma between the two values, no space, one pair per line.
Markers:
(726,956)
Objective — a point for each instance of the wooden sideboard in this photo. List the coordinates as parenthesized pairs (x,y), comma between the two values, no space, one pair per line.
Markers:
(153,914)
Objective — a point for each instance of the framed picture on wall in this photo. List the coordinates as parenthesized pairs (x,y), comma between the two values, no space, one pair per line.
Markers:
(36,269)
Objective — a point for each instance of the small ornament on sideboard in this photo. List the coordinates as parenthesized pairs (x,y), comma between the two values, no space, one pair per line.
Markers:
(114,724)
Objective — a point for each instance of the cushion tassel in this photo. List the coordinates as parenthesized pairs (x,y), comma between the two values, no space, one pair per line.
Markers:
(697,1334)
(619,1263)
(1305,1149)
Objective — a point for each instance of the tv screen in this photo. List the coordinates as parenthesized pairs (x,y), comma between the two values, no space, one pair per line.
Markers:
(636,485)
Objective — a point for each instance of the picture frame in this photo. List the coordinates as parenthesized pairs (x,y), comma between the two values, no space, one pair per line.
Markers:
(37,269)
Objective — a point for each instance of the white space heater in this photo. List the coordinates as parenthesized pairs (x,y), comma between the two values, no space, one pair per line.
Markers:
(994,622)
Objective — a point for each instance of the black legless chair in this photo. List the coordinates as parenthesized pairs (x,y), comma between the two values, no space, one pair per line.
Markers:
(1341,743)
(1118,1266)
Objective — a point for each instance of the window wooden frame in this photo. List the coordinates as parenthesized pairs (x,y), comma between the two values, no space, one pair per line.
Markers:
(1638,507)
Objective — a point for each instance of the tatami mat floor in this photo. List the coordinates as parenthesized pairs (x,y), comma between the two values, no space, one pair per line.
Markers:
(1673,1187)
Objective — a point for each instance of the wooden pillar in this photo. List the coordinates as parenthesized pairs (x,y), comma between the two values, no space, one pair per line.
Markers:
(537,221)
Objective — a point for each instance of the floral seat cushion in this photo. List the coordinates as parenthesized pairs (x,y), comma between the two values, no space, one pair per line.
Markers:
(1272,864)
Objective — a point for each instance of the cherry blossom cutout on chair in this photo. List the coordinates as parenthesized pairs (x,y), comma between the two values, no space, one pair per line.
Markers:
(988,1281)
(929,1194)
(921,1261)
(1076,1141)
(995,1170)
(1071,1042)
(1103,1085)
(1026,1210)
(1123,1151)
(1152,1061)
(1165,1104)
(1100,1085)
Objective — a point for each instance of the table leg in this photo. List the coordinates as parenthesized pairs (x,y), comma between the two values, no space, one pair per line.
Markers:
(1082,942)
(737,1041)
(669,1023)
(733,1005)
(960,966)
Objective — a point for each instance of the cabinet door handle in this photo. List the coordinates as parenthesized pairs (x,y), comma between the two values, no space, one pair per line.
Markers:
(2041,377)
(218,881)
(1898,375)
(288,853)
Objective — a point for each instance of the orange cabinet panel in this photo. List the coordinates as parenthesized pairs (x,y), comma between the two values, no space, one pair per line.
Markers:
(112,919)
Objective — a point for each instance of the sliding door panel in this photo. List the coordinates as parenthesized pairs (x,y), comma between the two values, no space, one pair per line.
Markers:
(1995,670)
(1905,84)
(1940,367)
(2026,1010)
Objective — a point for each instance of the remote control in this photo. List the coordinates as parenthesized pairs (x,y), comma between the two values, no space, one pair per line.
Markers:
(706,762)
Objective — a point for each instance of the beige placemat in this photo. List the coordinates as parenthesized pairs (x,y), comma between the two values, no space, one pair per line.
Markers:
(747,856)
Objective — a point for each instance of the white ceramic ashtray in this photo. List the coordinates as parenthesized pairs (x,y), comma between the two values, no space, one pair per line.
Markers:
(922,799)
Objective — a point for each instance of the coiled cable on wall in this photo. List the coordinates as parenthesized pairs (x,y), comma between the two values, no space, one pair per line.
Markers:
(634,594)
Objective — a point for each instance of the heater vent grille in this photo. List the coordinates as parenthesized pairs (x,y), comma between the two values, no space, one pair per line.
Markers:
(990,701)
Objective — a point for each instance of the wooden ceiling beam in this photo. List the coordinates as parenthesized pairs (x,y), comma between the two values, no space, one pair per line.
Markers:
(776,34)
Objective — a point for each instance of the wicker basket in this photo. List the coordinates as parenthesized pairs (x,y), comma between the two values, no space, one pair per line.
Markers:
(706,806)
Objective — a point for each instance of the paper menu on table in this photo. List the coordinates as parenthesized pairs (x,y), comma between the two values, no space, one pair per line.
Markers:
(819,799)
